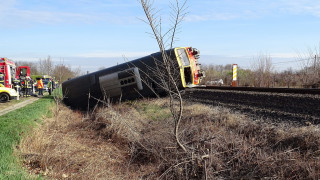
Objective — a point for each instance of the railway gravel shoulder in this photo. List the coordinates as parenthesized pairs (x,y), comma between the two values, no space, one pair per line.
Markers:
(278,107)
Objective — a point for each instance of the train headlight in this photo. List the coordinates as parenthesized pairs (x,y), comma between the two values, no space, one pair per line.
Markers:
(195,51)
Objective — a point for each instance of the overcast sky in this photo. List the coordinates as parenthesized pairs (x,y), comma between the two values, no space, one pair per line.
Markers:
(96,33)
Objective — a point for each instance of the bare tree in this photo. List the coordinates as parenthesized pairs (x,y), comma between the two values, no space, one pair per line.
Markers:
(62,72)
(76,71)
(310,66)
(165,41)
(245,77)
(32,66)
(262,66)
(288,77)
(46,66)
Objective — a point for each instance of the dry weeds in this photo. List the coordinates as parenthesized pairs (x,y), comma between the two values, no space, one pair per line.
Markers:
(122,142)
(69,146)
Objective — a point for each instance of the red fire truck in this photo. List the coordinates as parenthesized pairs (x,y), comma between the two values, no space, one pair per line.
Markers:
(8,72)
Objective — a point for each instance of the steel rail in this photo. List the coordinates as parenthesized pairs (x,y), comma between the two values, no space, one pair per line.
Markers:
(262,89)
(296,106)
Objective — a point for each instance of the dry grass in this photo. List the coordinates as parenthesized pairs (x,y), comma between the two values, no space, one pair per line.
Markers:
(69,146)
(133,141)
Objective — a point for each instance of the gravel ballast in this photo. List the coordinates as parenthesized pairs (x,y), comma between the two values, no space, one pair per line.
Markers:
(302,109)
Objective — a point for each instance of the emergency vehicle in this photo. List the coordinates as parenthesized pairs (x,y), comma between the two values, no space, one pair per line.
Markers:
(8,72)
(7,94)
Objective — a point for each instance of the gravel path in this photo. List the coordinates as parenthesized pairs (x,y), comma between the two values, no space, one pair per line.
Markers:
(278,107)
(17,106)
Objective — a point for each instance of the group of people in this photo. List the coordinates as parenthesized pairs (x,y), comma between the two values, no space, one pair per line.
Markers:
(50,86)
(26,85)
(28,89)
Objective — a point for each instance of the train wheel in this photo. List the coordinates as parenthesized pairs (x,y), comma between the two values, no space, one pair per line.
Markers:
(4,97)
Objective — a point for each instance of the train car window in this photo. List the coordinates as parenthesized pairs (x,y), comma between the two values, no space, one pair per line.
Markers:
(184,57)
(188,75)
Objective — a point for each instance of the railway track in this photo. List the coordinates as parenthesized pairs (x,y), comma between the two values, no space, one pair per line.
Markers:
(296,106)
(272,90)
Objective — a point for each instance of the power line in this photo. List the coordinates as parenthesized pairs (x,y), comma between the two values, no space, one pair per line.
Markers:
(279,64)
(292,61)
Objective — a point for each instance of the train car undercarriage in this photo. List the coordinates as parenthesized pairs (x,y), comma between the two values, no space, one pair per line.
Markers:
(143,77)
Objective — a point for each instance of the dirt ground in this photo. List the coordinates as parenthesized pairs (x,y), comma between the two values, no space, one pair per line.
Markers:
(67,146)
(135,141)
(16,104)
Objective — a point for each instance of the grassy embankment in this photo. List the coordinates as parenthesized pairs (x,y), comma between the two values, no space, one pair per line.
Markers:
(14,126)
(135,140)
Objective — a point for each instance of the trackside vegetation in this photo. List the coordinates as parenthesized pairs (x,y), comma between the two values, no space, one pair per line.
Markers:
(135,140)
(14,126)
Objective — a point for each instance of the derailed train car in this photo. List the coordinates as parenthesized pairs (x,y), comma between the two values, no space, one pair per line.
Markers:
(142,77)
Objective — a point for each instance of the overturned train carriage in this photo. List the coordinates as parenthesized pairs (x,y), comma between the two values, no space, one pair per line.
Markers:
(142,77)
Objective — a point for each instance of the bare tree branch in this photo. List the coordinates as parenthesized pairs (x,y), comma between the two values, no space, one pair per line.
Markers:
(170,80)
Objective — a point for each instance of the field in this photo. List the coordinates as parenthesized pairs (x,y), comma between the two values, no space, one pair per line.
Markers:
(14,126)
(135,140)
(225,136)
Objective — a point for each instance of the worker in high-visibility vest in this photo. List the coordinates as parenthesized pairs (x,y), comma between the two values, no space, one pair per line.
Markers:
(25,89)
(28,86)
(40,87)
(32,86)
(49,86)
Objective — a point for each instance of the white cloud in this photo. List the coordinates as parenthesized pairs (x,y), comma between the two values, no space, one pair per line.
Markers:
(302,7)
(14,13)
(48,17)
(232,9)
(283,55)
(18,58)
(214,16)
(12,16)
(5,7)
(112,54)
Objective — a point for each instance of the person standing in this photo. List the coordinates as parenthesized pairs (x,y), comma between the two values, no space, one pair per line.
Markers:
(53,84)
(32,86)
(49,85)
(28,86)
(40,87)
(24,86)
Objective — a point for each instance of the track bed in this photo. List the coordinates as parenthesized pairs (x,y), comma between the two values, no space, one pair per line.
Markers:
(296,108)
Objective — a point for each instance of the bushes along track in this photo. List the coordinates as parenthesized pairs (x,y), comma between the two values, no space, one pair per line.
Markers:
(136,141)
